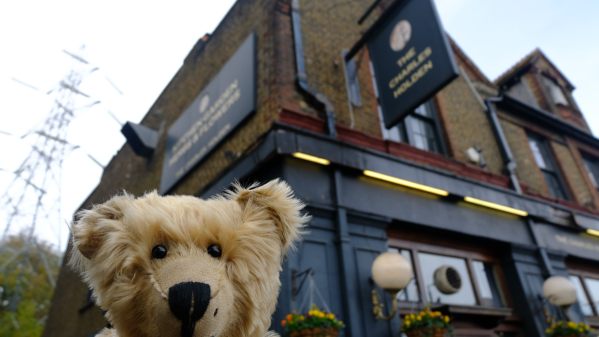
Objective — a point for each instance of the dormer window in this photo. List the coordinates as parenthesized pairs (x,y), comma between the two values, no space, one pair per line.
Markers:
(554,90)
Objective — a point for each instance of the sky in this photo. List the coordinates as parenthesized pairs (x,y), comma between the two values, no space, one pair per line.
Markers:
(138,46)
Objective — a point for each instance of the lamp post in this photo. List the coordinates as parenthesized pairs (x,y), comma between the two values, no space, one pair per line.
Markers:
(391,272)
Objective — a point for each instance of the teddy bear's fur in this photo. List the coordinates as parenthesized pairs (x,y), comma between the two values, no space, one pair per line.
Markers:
(228,295)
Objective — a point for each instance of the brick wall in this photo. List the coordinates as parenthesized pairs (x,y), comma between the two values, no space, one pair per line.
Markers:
(328,28)
(526,170)
(567,158)
(467,124)
(573,174)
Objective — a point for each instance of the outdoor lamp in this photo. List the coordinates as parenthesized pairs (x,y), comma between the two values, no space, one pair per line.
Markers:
(392,272)
(559,291)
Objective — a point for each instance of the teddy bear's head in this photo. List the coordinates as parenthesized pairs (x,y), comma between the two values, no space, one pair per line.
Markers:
(185,267)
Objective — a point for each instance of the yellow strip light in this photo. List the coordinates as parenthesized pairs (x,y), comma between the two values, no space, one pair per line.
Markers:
(311,158)
(593,232)
(406,183)
(495,206)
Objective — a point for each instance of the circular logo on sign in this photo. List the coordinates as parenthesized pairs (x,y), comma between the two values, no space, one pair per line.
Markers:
(400,35)
(204,103)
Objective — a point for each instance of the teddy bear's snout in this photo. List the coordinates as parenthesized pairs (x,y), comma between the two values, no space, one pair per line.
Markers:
(188,301)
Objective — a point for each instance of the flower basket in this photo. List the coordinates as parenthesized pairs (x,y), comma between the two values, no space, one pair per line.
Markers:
(315,323)
(315,332)
(568,329)
(427,332)
(426,323)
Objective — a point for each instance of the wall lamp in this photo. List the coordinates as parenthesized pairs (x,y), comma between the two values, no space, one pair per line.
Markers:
(495,206)
(560,292)
(311,158)
(391,272)
(406,183)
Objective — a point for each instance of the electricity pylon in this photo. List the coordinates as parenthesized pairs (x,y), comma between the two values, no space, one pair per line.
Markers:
(33,196)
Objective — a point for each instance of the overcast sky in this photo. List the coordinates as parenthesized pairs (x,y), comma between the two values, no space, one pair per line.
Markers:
(138,46)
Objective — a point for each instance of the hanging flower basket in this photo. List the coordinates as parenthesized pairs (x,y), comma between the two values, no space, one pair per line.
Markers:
(427,332)
(315,323)
(315,332)
(426,323)
(568,329)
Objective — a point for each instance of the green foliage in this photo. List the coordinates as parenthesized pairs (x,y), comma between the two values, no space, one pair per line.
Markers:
(28,269)
(568,329)
(426,318)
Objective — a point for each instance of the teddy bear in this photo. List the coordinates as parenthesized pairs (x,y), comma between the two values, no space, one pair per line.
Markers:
(181,266)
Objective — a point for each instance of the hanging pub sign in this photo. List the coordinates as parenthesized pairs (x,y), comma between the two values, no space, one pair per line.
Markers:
(224,103)
(411,57)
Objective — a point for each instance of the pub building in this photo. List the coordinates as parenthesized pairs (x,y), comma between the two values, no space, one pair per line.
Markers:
(397,142)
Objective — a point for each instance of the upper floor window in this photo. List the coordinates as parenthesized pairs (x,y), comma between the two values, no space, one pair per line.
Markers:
(547,164)
(554,90)
(419,129)
(592,167)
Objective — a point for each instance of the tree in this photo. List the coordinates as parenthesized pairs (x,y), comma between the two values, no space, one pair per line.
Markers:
(28,270)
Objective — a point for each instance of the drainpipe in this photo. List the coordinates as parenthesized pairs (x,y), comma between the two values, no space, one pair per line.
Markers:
(506,152)
(316,98)
(351,307)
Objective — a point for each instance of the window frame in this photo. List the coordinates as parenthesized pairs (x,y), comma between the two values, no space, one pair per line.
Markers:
(403,134)
(582,271)
(591,165)
(555,91)
(552,167)
(468,255)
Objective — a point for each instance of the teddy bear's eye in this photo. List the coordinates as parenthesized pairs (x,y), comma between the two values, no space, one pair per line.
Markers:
(214,251)
(159,252)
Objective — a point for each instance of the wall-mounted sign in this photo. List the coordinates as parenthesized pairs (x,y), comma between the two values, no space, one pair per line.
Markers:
(223,104)
(411,58)
(577,244)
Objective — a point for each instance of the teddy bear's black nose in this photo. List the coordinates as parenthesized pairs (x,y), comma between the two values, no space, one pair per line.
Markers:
(188,301)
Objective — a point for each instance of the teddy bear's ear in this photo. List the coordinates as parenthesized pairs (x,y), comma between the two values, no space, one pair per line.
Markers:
(91,228)
(276,201)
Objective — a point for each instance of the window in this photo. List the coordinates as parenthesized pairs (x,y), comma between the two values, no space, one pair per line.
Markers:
(473,292)
(522,91)
(585,276)
(419,129)
(592,167)
(353,84)
(478,282)
(554,90)
(546,163)
(586,304)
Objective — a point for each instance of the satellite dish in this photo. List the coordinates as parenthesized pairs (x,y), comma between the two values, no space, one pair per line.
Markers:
(447,280)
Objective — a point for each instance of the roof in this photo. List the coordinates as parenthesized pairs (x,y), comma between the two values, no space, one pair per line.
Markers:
(468,63)
(522,65)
